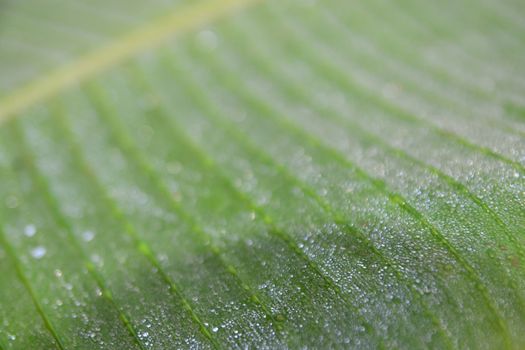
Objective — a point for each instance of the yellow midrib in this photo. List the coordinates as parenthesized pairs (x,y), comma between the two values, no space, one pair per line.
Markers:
(184,19)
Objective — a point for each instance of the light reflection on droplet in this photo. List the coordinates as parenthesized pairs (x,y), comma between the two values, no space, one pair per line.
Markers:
(38,252)
(88,236)
(30,230)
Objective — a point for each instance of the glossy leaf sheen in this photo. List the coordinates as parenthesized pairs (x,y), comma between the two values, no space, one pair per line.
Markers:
(277,174)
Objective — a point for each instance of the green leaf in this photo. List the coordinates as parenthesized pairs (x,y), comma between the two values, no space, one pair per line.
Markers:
(262,174)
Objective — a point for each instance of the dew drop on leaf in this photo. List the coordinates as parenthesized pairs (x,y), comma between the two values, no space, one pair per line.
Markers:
(30,230)
(38,252)
(88,236)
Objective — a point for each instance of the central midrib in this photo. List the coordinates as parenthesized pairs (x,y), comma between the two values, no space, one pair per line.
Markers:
(150,35)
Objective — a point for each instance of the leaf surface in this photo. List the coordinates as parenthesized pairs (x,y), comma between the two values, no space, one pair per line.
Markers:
(262,174)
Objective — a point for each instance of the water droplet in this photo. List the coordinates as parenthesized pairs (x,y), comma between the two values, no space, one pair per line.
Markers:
(143,335)
(30,230)
(97,260)
(215,329)
(88,236)
(38,252)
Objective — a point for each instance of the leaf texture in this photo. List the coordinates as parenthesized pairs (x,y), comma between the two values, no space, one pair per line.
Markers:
(262,174)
